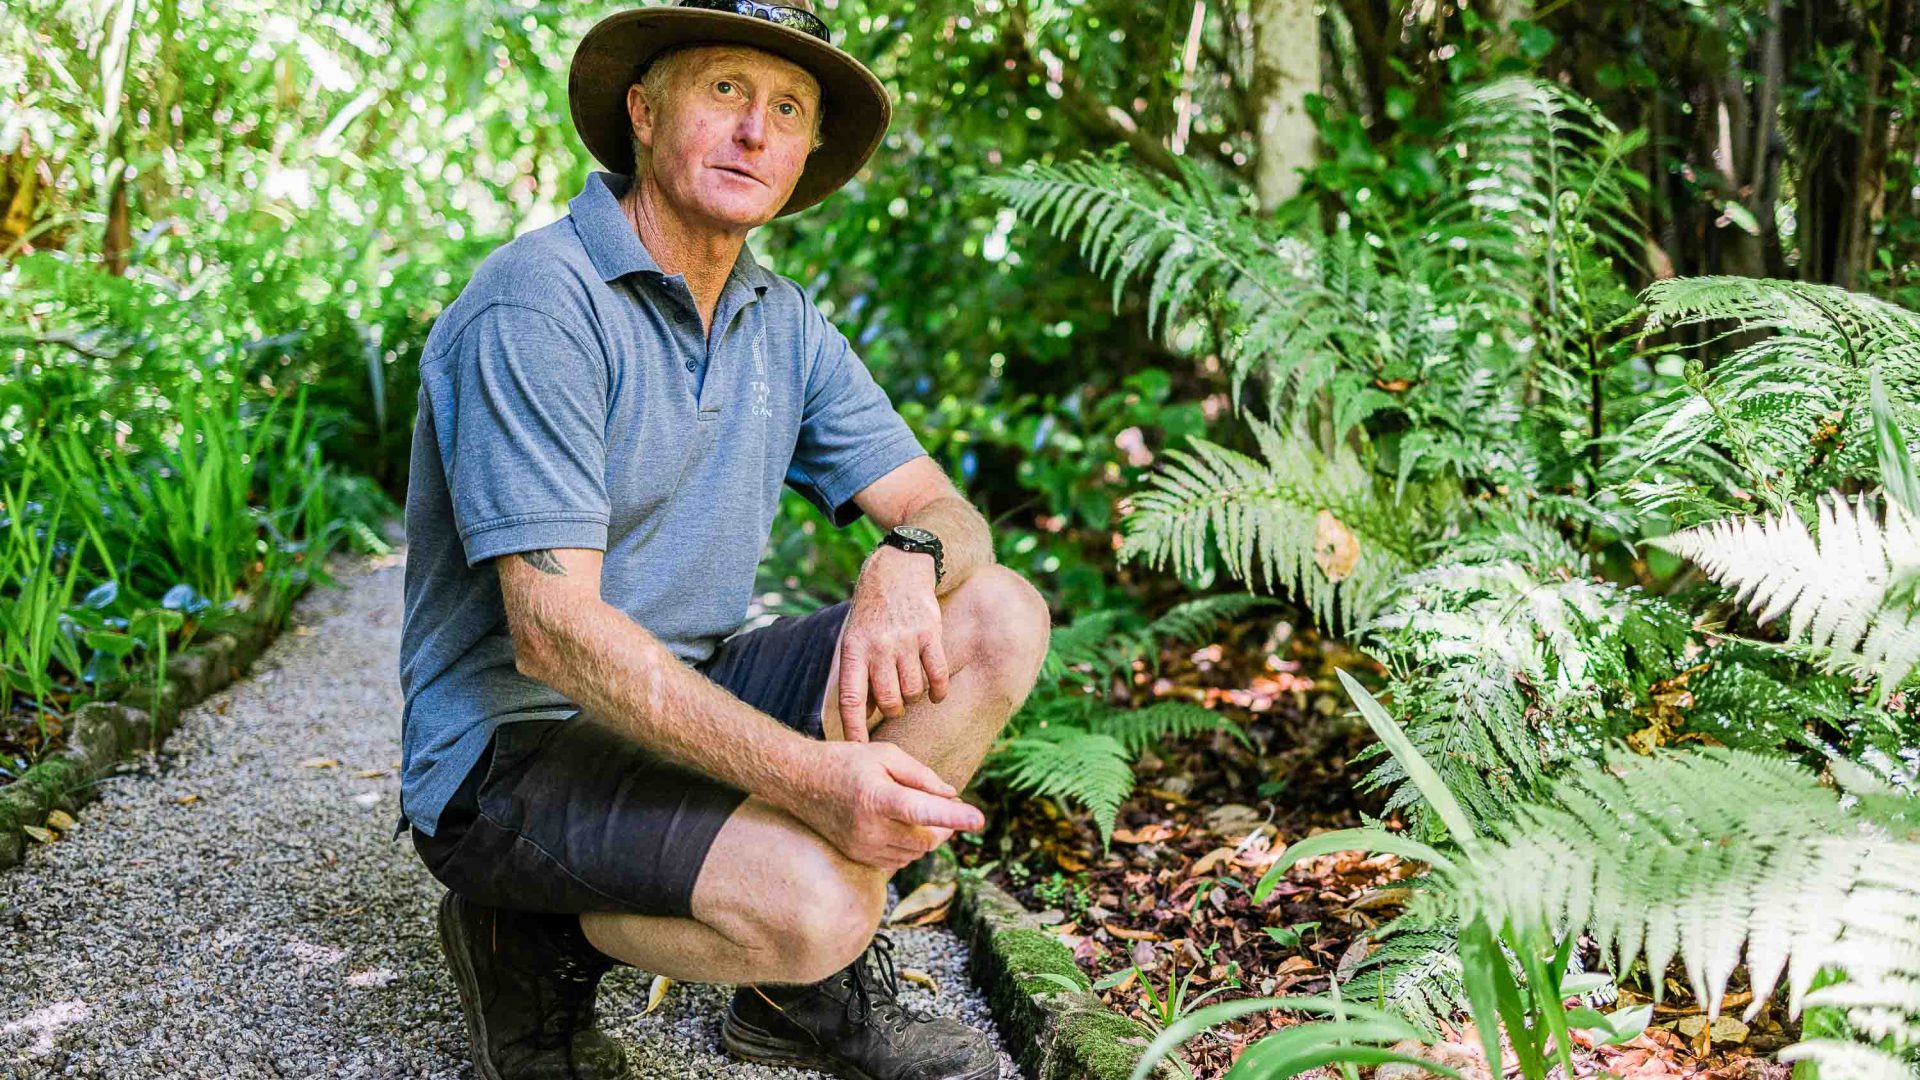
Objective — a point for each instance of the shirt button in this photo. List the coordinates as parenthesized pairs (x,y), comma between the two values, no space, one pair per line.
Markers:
(689,365)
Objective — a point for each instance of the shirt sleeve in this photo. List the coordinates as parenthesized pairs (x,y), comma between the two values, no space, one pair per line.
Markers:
(521,411)
(850,434)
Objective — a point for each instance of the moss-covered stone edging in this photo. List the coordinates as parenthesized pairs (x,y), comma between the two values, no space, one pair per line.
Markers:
(101,734)
(1053,1033)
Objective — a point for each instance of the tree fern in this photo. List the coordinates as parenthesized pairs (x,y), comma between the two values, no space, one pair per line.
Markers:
(1316,525)
(1849,593)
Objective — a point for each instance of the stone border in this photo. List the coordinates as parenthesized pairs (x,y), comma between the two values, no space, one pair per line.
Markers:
(100,734)
(1053,1033)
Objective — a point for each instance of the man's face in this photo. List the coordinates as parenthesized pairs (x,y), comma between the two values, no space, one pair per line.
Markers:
(732,136)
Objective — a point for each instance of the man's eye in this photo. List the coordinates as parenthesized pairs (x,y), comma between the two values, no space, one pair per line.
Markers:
(722,85)
(792,109)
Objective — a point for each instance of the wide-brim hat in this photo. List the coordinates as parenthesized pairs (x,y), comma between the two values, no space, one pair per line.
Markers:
(610,58)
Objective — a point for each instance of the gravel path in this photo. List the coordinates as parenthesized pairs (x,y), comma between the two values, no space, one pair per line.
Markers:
(227,912)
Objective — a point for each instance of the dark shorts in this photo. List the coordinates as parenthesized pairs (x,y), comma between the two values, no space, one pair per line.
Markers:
(570,816)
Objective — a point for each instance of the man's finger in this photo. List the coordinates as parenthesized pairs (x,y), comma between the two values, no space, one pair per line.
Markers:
(921,808)
(912,682)
(853,696)
(885,677)
(933,656)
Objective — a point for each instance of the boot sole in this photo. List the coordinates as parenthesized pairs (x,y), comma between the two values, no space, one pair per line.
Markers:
(748,1043)
(468,985)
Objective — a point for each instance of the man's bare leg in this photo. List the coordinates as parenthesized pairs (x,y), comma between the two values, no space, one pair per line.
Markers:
(775,902)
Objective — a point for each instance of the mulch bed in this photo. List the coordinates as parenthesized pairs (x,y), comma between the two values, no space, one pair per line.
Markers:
(1209,816)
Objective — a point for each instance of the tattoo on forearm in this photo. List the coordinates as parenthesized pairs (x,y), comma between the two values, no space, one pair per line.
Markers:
(544,562)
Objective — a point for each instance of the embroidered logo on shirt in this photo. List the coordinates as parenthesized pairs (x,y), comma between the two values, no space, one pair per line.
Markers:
(761,391)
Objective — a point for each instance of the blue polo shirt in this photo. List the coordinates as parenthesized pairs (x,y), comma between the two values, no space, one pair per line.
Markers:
(570,398)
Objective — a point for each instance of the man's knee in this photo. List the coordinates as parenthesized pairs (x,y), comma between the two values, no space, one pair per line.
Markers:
(1003,623)
(827,923)
(809,917)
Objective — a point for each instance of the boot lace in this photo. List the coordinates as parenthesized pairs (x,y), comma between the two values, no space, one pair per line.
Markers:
(875,991)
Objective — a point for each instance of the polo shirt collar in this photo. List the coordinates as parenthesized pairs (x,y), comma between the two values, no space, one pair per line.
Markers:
(615,249)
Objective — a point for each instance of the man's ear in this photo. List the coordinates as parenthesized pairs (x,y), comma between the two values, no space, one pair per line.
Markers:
(640,114)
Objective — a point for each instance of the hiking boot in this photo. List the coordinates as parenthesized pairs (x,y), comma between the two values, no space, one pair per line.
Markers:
(851,1025)
(527,984)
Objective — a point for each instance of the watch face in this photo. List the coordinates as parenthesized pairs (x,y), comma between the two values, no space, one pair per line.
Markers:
(914,532)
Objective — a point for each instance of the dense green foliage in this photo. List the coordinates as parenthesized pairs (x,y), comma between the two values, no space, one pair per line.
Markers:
(1451,402)
(1465,473)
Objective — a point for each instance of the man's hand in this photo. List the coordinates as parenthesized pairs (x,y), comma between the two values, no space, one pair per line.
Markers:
(878,804)
(892,641)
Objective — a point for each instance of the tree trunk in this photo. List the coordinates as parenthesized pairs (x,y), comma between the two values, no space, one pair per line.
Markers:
(1286,68)
(1869,181)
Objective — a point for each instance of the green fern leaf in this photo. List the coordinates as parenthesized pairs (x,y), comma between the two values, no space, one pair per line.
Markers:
(1838,594)
(1270,519)
(1136,729)
(1088,768)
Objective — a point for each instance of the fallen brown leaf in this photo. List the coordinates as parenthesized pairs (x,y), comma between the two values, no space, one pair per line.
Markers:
(1146,834)
(937,915)
(60,819)
(1210,860)
(1129,934)
(930,896)
(919,978)
(319,763)
(45,836)
(185,799)
(657,993)
(1294,964)
(1335,548)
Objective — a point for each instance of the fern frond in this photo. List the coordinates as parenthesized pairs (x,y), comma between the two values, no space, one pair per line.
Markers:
(1104,642)
(1795,406)
(1414,973)
(1839,1058)
(1191,622)
(1540,163)
(1506,675)
(1088,768)
(1292,518)
(1137,729)
(1701,856)
(1100,646)
(1838,593)
(1178,235)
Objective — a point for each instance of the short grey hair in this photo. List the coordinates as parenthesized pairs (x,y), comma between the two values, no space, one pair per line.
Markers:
(657,80)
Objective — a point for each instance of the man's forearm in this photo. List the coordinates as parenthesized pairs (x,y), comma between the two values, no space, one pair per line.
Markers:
(615,670)
(965,543)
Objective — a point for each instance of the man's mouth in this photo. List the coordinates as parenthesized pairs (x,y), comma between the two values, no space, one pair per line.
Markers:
(742,172)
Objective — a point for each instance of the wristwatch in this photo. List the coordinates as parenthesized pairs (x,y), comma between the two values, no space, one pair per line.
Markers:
(915,538)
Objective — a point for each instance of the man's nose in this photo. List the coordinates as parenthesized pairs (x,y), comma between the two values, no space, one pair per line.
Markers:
(752,129)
